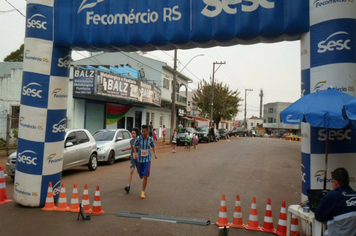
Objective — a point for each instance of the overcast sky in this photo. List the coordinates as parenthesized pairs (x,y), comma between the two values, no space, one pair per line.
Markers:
(275,68)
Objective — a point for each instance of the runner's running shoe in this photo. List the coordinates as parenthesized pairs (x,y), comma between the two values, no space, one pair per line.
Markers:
(127,188)
(143,196)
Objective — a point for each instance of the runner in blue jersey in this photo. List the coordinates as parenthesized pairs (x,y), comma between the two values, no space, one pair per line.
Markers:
(142,149)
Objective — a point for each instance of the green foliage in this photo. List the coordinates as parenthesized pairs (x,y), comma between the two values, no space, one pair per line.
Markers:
(16,56)
(226,102)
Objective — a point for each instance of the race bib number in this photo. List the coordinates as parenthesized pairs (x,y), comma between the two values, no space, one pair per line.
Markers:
(144,152)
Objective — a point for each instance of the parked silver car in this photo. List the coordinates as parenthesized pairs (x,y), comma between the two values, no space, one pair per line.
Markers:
(110,143)
(79,149)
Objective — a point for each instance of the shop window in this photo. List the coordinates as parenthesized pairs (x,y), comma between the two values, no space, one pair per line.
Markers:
(165,83)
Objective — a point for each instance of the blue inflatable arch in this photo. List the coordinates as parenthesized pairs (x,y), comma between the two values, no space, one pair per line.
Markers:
(55,27)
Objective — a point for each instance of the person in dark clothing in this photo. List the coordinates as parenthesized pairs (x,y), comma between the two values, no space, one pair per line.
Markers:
(338,207)
(150,132)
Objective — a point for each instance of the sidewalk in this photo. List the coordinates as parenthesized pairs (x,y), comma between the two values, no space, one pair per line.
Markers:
(160,144)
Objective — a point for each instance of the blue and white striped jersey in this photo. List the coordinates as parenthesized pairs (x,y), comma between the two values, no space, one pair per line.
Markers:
(143,148)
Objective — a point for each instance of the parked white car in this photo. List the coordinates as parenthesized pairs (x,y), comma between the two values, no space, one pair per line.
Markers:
(79,149)
(110,143)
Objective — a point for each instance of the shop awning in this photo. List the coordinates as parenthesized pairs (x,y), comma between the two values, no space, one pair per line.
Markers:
(198,118)
(187,118)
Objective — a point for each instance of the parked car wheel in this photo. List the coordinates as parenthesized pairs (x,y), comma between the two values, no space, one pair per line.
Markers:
(111,158)
(93,162)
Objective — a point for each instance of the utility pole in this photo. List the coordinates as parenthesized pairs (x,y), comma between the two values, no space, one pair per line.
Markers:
(173,110)
(212,91)
(245,123)
(261,101)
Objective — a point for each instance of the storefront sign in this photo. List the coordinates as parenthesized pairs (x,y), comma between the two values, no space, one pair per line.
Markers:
(116,86)
(83,82)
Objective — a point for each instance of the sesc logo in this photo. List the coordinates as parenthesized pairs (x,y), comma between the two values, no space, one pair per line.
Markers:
(27,157)
(35,21)
(303,174)
(88,5)
(220,5)
(60,126)
(32,90)
(334,134)
(333,43)
(57,188)
(64,62)
(351,202)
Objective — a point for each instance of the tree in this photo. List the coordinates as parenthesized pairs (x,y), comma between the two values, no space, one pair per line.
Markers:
(225,104)
(16,55)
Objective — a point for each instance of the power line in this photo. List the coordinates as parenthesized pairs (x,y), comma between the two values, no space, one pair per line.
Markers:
(16,9)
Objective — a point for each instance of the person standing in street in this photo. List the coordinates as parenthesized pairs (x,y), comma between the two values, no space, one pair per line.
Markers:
(195,140)
(133,161)
(164,133)
(188,140)
(151,129)
(174,141)
(338,207)
(180,126)
(142,150)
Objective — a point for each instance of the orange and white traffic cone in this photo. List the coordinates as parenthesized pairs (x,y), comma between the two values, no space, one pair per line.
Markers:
(268,221)
(49,206)
(253,218)
(62,201)
(97,203)
(74,201)
(85,200)
(282,222)
(3,193)
(294,228)
(237,221)
(223,221)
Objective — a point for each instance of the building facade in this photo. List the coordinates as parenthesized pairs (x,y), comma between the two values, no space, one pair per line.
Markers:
(272,121)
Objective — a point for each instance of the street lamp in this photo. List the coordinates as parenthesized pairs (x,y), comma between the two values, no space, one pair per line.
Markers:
(173,111)
(199,55)
(245,107)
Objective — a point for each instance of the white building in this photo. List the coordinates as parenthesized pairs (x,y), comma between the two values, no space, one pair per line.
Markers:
(272,121)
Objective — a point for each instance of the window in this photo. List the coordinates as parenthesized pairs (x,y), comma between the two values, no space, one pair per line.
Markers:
(258,124)
(165,83)
(71,138)
(251,124)
(274,120)
(270,120)
(147,118)
(160,120)
(153,118)
(82,137)
(270,110)
(119,135)
(126,135)
(15,111)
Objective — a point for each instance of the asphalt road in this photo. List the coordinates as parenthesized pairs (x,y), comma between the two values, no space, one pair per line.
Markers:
(186,184)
